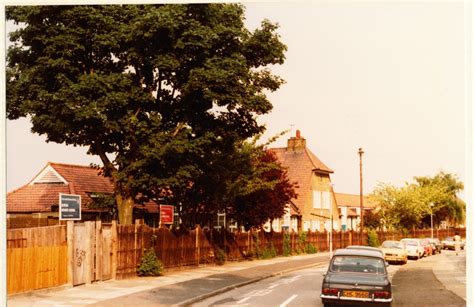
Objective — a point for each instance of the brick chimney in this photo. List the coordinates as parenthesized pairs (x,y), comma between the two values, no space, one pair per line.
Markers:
(297,143)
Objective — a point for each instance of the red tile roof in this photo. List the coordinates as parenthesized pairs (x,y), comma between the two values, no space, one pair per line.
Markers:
(300,165)
(353,200)
(82,180)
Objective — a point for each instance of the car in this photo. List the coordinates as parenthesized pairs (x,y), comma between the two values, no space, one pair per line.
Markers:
(448,243)
(414,248)
(356,276)
(436,244)
(427,247)
(364,247)
(395,251)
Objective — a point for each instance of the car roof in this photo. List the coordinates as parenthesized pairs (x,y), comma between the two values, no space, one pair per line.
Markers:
(370,248)
(374,252)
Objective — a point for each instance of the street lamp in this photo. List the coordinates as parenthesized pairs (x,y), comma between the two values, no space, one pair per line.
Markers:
(431,210)
(331,222)
(361,152)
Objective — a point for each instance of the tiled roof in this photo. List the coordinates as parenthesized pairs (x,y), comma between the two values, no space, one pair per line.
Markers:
(81,180)
(300,165)
(352,200)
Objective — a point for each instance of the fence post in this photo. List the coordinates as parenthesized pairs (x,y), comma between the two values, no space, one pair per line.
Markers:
(197,245)
(89,256)
(70,252)
(114,251)
(98,250)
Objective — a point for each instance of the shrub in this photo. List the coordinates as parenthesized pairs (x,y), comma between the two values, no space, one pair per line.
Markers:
(311,249)
(373,238)
(269,252)
(220,256)
(149,264)
(286,244)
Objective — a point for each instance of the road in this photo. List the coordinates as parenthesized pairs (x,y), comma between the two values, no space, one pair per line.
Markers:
(413,284)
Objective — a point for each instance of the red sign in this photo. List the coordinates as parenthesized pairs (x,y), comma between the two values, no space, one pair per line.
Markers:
(166,214)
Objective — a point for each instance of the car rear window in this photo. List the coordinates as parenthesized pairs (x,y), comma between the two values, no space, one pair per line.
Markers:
(392,245)
(358,264)
(411,243)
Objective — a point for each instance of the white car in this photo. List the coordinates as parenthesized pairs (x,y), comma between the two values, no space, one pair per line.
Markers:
(414,248)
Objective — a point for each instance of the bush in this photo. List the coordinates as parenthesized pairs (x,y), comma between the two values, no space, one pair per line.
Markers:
(286,244)
(220,256)
(373,238)
(149,264)
(269,252)
(310,249)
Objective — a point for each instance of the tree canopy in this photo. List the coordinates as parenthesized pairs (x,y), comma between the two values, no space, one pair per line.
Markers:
(412,205)
(161,93)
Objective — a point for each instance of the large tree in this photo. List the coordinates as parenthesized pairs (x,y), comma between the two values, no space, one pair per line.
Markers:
(412,204)
(156,91)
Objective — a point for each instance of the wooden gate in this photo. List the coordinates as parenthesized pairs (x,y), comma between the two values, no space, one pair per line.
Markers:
(92,252)
(81,253)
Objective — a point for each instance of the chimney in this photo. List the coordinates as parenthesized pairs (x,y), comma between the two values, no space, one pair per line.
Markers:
(297,143)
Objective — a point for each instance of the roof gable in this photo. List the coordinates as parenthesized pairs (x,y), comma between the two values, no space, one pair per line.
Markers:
(48,175)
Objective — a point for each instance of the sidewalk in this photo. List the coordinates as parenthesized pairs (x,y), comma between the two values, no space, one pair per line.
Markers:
(174,288)
(180,288)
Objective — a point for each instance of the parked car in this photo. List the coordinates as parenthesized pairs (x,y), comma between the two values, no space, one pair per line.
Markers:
(426,246)
(364,247)
(395,251)
(414,248)
(436,244)
(357,276)
(448,243)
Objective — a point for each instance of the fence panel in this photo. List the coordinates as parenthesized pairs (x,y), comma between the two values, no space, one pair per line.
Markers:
(36,258)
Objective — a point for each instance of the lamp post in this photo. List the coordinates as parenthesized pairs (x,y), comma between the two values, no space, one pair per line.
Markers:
(330,222)
(431,211)
(361,225)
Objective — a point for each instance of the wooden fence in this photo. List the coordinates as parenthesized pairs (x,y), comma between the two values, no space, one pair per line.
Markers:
(78,253)
(36,258)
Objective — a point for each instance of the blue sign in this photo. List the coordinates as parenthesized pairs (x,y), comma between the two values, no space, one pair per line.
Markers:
(69,207)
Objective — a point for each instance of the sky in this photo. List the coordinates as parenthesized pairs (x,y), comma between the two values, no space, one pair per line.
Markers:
(389,77)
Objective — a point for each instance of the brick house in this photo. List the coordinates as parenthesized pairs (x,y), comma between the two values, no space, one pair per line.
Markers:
(315,192)
(36,203)
(349,206)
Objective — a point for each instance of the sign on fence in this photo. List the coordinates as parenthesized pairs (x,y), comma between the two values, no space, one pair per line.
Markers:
(69,207)
(166,214)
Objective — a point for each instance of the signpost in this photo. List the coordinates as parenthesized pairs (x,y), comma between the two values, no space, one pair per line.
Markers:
(166,214)
(69,207)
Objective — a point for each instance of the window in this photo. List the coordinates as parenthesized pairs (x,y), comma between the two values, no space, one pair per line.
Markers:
(326,200)
(316,199)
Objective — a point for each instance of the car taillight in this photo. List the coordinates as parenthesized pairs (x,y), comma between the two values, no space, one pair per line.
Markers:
(330,291)
(382,294)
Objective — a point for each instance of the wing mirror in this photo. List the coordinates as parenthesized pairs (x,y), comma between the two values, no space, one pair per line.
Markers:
(386,264)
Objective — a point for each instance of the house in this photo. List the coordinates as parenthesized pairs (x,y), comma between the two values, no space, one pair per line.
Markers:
(37,201)
(349,206)
(316,200)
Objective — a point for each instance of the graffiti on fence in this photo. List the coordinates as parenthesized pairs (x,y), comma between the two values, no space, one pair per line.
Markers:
(80,255)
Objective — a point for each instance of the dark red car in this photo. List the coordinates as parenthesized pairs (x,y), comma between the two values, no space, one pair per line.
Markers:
(426,246)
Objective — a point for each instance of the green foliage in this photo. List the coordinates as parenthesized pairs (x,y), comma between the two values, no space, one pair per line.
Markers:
(220,256)
(372,219)
(268,252)
(373,238)
(411,205)
(286,244)
(149,264)
(310,249)
(164,94)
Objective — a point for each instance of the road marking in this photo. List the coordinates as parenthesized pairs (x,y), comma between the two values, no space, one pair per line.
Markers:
(288,300)
(273,286)
(243,300)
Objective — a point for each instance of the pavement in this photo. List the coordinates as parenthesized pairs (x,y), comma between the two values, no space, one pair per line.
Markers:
(184,287)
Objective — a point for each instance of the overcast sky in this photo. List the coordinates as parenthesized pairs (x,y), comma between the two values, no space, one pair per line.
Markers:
(388,77)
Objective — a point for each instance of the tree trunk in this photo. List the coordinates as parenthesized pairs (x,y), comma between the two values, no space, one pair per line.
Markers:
(125,209)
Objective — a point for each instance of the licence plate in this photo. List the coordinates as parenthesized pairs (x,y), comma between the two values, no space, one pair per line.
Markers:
(358,294)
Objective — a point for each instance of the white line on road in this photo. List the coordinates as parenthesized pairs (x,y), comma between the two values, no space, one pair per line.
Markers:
(273,286)
(243,300)
(288,300)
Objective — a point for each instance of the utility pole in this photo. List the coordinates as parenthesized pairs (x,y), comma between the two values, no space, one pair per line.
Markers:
(361,225)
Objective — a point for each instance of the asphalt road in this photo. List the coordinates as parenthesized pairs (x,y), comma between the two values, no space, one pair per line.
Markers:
(414,284)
